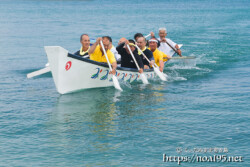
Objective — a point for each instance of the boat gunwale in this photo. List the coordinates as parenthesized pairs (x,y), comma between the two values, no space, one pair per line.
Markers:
(104,64)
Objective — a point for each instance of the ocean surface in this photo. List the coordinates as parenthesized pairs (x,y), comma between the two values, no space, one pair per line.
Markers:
(202,110)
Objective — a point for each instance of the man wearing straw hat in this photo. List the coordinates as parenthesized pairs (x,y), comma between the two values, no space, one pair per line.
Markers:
(96,52)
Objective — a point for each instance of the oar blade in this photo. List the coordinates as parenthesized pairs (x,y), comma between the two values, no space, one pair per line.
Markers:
(116,83)
(115,80)
(144,78)
(184,57)
(165,75)
(38,72)
(160,74)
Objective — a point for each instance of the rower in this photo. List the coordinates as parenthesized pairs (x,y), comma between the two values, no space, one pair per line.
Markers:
(158,55)
(114,51)
(96,52)
(165,42)
(126,58)
(141,42)
(137,35)
(83,52)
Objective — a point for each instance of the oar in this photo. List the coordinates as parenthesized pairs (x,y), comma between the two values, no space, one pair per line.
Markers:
(147,36)
(184,57)
(38,72)
(181,57)
(143,77)
(173,49)
(155,67)
(115,80)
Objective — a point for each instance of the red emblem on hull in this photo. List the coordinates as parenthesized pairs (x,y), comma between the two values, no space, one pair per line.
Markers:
(68,65)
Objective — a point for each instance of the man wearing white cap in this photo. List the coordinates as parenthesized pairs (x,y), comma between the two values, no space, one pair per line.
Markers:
(165,42)
(158,55)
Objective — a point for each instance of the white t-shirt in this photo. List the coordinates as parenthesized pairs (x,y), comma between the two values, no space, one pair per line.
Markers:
(165,48)
(117,55)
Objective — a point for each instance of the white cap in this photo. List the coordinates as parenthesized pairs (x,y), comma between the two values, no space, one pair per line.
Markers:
(153,40)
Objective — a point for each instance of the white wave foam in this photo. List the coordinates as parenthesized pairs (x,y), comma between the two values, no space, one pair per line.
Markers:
(125,84)
(201,43)
(180,79)
(184,67)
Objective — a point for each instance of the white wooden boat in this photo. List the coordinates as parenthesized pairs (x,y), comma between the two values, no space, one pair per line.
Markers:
(72,73)
(47,68)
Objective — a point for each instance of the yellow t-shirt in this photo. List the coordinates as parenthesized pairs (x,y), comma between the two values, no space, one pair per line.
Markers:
(97,56)
(164,57)
(158,55)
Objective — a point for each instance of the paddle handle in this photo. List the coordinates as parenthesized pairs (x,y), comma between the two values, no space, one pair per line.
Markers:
(143,76)
(173,48)
(147,35)
(143,54)
(39,72)
(133,57)
(115,80)
(106,55)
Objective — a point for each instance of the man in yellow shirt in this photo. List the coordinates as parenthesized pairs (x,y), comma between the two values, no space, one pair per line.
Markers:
(158,55)
(165,57)
(96,53)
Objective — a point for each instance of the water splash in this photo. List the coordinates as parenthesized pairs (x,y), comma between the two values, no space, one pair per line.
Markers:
(125,84)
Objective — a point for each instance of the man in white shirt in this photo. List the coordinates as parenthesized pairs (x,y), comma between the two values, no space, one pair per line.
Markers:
(114,51)
(165,42)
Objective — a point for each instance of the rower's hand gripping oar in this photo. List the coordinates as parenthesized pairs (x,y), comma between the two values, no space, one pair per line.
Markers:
(155,67)
(181,57)
(115,80)
(143,76)
(173,48)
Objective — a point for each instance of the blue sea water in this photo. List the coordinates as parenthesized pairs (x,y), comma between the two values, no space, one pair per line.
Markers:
(203,105)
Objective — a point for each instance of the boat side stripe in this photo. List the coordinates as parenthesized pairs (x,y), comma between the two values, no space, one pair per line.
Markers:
(105,65)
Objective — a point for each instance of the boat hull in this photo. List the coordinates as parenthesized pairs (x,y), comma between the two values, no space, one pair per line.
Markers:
(73,73)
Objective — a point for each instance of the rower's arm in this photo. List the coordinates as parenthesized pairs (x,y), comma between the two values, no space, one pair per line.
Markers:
(150,57)
(92,48)
(151,63)
(114,66)
(178,50)
(141,70)
(152,34)
(119,47)
(138,59)
(161,65)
